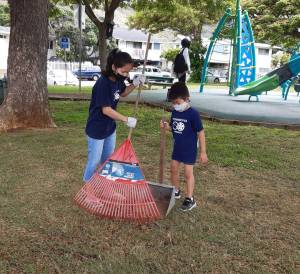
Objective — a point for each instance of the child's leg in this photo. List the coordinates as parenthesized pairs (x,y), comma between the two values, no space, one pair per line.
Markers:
(175,173)
(190,180)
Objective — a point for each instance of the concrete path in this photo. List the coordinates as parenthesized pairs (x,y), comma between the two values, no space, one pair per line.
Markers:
(271,110)
(215,104)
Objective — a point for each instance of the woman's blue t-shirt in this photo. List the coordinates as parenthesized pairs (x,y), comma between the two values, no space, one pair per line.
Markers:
(185,126)
(106,93)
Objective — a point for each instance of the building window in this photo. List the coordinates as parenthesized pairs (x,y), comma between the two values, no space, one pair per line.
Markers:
(263,51)
(263,70)
(222,49)
(156,46)
(137,45)
(129,44)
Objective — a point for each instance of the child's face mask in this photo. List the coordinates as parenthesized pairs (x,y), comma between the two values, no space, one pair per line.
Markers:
(180,107)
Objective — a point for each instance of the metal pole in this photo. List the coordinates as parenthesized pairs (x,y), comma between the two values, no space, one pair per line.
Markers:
(80,41)
(66,65)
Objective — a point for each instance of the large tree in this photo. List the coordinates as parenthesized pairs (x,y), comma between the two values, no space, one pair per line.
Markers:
(275,21)
(26,104)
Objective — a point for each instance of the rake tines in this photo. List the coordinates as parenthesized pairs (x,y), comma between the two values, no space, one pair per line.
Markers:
(118,200)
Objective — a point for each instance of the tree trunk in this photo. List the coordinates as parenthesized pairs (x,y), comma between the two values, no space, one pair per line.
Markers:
(102,45)
(26,104)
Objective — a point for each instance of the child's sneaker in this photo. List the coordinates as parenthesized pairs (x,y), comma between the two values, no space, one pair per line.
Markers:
(188,204)
(177,194)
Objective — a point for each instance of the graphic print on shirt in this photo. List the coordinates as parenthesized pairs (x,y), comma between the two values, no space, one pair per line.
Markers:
(117,95)
(178,125)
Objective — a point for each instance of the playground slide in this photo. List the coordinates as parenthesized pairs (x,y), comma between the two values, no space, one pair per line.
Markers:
(271,80)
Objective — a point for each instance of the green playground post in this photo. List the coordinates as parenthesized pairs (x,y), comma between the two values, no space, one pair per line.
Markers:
(212,45)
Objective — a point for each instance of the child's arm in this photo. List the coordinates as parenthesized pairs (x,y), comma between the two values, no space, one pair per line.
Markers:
(202,154)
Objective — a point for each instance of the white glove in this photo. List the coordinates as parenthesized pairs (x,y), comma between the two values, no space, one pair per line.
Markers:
(139,80)
(131,122)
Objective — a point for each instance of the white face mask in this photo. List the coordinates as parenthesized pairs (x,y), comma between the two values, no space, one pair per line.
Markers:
(180,107)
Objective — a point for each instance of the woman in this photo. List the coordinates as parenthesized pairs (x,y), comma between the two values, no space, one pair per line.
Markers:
(101,123)
(185,43)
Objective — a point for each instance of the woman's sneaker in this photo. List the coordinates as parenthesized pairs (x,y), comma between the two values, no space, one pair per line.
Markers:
(188,204)
(177,194)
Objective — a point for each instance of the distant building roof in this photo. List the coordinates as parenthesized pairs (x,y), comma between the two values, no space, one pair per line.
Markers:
(135,35)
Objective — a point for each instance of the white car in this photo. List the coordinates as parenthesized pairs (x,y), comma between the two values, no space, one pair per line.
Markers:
(215,77)
(59,77)
(149,71)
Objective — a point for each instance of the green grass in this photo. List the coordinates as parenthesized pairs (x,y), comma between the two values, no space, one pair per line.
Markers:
(247,219)
(68,89)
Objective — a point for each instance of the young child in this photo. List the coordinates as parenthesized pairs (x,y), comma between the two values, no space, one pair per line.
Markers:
(187,129)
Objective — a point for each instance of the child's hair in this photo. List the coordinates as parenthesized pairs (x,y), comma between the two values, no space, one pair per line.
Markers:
(178,90)
(118,59)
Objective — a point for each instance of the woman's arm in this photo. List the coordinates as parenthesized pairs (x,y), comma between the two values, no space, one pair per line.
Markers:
(128,90)
(108,111)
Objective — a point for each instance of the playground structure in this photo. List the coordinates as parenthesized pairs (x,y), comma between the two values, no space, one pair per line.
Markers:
(237,28)
(285,87)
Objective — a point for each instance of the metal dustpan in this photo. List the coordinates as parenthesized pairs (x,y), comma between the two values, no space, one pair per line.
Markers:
(164,197)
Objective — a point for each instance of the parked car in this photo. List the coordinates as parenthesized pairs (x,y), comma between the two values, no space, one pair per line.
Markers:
(215,78)
(150,71)
(59,77)
(92,73)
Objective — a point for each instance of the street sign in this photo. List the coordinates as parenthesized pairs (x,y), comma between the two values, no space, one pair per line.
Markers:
(65,43)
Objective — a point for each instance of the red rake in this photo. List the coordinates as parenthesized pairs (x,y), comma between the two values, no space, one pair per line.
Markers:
(118,189)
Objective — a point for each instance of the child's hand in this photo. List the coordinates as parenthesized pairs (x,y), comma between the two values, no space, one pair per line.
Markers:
(164,124)
(203,158)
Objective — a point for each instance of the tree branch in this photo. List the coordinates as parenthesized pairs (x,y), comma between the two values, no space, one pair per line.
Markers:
(106,6)
(91,14)
(111,9)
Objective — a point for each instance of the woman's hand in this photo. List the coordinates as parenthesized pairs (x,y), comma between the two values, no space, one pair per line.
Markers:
(131,122)
(139,80)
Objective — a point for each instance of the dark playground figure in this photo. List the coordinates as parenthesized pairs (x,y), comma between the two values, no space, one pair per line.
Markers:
(182,64)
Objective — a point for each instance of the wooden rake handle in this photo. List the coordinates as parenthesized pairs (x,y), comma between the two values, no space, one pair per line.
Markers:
(137,100)
(162,150)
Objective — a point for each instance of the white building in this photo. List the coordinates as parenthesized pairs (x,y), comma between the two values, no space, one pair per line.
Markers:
(221,56)
(4,42)
(135,41)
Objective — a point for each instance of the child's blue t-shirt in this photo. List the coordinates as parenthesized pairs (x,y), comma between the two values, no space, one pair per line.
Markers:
(106,93)
(185,128)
